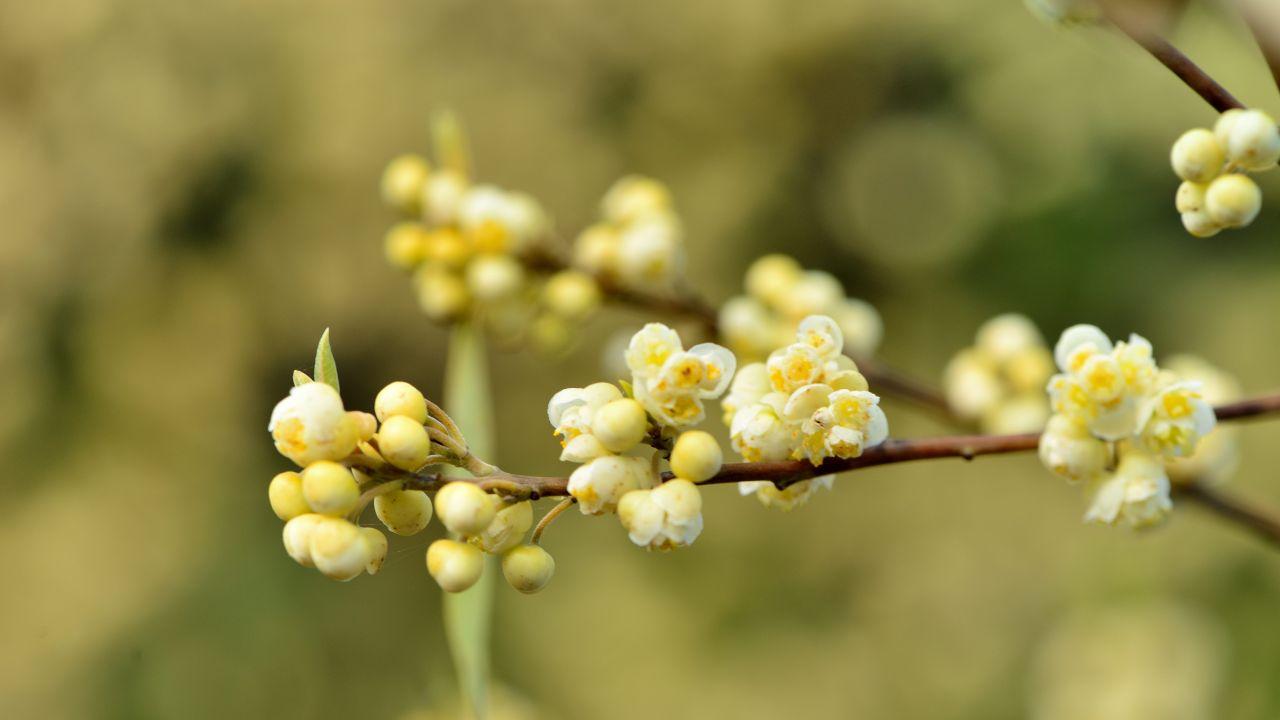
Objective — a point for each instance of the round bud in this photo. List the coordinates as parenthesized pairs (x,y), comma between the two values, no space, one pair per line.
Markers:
(1200,225)
(441,293)
(1233,200)
(454,565)
(510,524)
(572,294)
(285,494)
(329,488)
(376,549)
(297,538)
(404,442)
(464,508)
(528,568)
(400,398)
(494,277)
(1190,197)
(1253,140)
(1222,128)
(339,549)
(402,182)
(405,244)
(442,194)
(596,250)
(696,456)
(404,512)
(771,277)
(448,247)
(1197,156)
(620,425)
(365,424)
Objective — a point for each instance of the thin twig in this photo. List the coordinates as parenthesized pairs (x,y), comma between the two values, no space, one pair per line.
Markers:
(1264,524)
(1178,63)
(1264,24)
(550,517)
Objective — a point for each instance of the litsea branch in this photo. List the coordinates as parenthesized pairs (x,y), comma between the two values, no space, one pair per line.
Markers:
(1172,58)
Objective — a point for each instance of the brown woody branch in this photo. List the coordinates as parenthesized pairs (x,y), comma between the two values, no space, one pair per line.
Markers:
(1262,523)
(1179,64)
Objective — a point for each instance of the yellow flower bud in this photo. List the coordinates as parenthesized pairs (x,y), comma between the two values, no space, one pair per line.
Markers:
(403,181)
(329,488)
(285,493)
(528,568)
(297,537)
(404,442)
(339,549)
(446,246)
(572,294)
(441,293)
(696,456)
(400,398)
(375,549)
(771,277)
(509,525)
(1233,200)
(365,424)
(454,565)
(596,250)
(405,244)
(442,194)
(620,425)
(404,512)
(1190,197)
(494,277)
(1253,140)
(1197,156)
(464,508)
(1200,225)
(634,197)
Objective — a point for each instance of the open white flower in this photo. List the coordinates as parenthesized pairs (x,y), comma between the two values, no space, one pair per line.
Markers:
(672,383)
(1068,449)
(1173,422)
(789,498)
(311,425)
(667,517)
(601,483)
(1137,494)
(759,433)
(571,412)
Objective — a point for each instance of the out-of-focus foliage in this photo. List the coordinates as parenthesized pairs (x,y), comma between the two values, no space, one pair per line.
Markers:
(189,194)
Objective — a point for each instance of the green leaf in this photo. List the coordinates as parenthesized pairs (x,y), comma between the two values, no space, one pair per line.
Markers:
(326,370)
(627,390)
(468,615)
(300,378)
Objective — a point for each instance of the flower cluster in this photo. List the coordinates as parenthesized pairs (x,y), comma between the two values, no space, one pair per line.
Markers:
(808,401)
(779,295)
(609,432)
(474,252)
(352,458)
(999,381)
(1218,454)
(1117,419)
(1215,192)
(638,243)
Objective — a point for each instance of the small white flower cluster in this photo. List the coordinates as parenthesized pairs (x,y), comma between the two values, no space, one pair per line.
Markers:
(1109,401)
(808,401)
(639,243)
(606,431)
(1215,192)
(779,295)
(342,452)
(1218,454)
(469,246)
(999,381)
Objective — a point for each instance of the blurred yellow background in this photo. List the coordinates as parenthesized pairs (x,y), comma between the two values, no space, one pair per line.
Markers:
(190,196)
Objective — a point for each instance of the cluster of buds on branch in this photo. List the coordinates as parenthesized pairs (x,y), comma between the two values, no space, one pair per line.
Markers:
(1215,192)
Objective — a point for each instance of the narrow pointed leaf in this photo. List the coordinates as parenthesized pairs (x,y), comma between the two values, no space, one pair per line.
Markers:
(300,378)
(326,370)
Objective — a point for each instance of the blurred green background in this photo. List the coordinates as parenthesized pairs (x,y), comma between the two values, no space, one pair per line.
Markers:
(189,197)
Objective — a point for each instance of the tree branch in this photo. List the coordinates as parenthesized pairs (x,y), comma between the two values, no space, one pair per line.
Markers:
(1177,63)
(1263,524)
(786,472)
